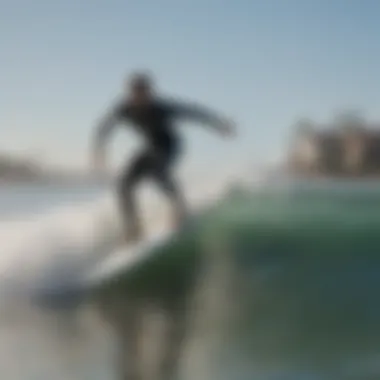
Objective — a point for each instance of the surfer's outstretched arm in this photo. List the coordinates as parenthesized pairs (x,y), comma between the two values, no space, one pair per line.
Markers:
(204,115)
(103,131)
(105,126)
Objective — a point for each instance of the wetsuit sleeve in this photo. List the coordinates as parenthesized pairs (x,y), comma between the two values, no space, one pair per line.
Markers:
(106,125)
(197,113)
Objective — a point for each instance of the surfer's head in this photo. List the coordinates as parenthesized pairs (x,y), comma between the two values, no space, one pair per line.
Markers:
(140,87)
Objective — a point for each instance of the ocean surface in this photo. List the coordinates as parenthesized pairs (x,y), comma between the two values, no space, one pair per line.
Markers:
(275,307)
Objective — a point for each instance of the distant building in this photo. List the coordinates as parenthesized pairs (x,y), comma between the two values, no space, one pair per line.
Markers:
(348,150)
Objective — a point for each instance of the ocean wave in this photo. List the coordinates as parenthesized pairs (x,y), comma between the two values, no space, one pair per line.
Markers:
(54,243)
(43,254)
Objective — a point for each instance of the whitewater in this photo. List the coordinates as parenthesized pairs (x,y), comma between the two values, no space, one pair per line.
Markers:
(49,238)
(45,239)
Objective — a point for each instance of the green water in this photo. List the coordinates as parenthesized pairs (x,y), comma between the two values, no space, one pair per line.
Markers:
(275,284)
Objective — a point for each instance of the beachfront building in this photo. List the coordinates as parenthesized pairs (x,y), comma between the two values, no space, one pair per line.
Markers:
(348,148)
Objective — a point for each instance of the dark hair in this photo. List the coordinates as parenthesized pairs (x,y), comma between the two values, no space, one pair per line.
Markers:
(141,79)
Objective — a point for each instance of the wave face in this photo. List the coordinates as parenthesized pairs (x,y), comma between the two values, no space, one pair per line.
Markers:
(279,283)
(291,286)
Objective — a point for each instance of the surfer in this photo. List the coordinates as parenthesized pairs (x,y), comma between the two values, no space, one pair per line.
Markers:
(152,117)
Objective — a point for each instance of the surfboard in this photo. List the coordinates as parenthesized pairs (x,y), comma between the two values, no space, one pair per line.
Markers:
(70,287)
(127,256)
(123,258)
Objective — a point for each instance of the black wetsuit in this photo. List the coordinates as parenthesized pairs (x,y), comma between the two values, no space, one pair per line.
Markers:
(155,122)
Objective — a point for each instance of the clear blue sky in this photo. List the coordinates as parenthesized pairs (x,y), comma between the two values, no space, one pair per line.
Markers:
(262,62)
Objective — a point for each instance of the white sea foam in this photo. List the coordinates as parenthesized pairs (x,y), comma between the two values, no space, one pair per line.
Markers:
(61,238)
(49,250)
